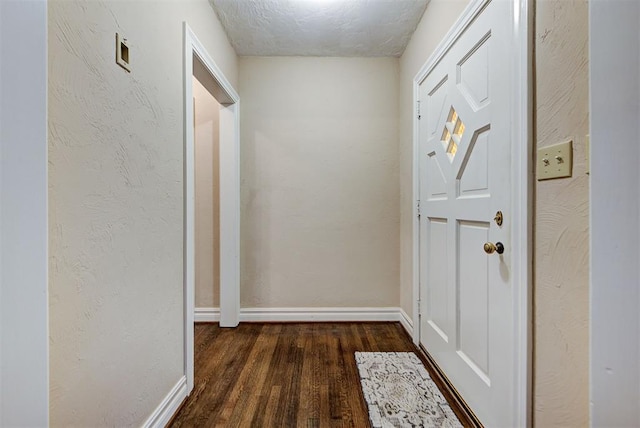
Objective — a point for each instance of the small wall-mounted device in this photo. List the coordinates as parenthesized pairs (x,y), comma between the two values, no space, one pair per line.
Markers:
(555,161)
(122,52)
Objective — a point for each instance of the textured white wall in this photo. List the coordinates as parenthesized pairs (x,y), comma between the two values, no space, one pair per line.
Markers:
(561,259)
(24,382)
(207,197)
(319,182)
(116,204)
(436,22)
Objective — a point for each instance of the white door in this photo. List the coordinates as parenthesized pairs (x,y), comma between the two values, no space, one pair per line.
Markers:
(466,304)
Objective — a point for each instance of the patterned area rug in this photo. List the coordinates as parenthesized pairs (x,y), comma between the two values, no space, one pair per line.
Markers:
(400,392)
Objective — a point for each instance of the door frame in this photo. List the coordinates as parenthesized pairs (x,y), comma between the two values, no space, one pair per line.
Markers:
(229,172)
(521,189)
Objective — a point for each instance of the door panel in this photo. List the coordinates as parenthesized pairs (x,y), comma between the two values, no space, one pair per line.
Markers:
(436,104)
(473,295)
(466,319)
(437,271)
(473,74)
(473,176)
(437,183)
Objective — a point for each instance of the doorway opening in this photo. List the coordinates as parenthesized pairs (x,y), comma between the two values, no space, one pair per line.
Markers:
(204,80)
(207,203)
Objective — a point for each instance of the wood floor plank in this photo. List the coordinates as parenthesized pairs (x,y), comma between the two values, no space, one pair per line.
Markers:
(283,375)
(306,410)
(242,403)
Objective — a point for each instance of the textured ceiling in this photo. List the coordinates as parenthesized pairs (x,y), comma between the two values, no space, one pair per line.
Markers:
(319,27)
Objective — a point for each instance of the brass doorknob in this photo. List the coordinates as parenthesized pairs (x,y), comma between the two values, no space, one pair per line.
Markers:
(491,248)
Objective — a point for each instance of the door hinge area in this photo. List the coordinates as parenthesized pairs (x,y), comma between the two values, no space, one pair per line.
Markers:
(418,208)
(419,116)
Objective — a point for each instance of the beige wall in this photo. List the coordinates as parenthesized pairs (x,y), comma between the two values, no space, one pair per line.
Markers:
(207,197)
(116,204)
(438,18)
(319,182)
(561,292)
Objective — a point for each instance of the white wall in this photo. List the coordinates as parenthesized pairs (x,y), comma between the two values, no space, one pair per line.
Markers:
(116,204)
(24,355)
(207,197)
(438,18)
(319,182)
(615,212)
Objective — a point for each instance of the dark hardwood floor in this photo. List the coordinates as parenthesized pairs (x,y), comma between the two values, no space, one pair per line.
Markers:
(283,375)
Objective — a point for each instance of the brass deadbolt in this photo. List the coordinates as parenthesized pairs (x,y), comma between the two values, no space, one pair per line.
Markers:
(499,218)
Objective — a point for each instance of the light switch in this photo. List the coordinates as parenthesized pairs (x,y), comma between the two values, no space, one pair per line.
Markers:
(555,161)
(122,52)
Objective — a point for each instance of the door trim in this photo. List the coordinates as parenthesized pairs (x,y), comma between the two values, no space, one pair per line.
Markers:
(521,189)
(226,95)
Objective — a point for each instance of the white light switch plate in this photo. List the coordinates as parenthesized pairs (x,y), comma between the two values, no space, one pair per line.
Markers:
(555,161)
(122,52)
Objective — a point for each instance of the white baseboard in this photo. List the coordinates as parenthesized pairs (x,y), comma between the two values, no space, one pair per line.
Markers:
(406,322)
(169,406)
(311,315)
(207,315)
(318,314)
